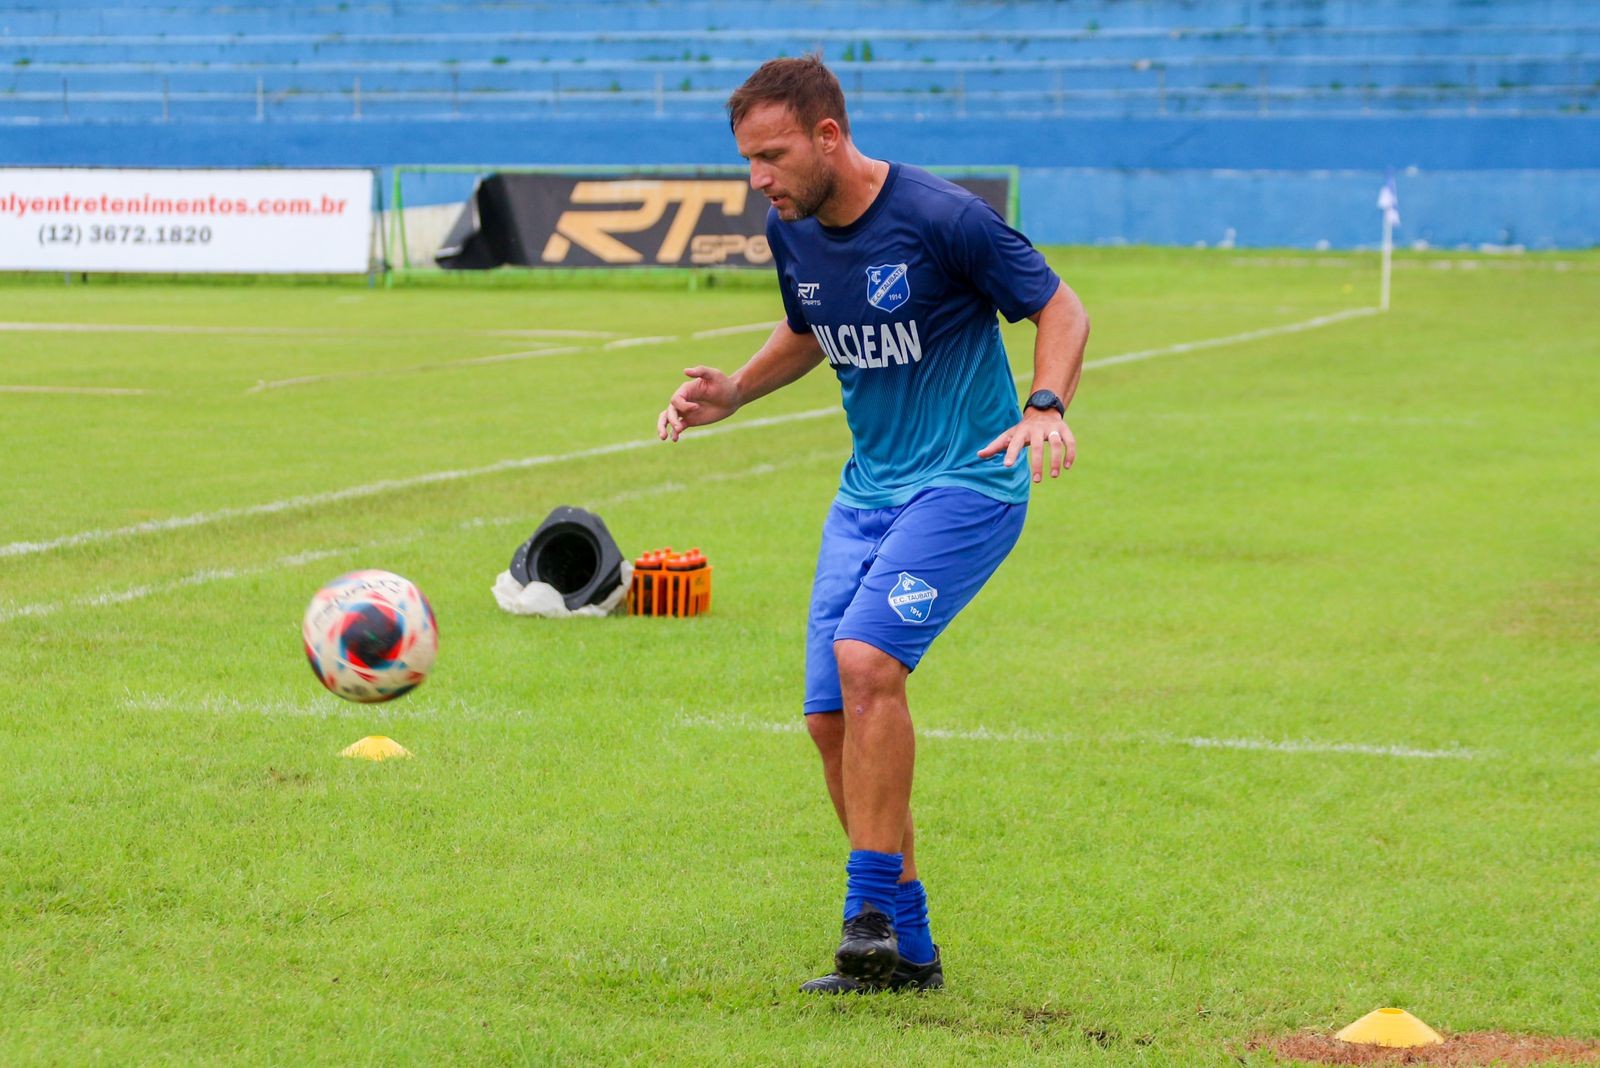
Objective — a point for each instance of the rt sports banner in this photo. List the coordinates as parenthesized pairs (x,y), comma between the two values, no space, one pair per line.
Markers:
(683,219)
(178,221)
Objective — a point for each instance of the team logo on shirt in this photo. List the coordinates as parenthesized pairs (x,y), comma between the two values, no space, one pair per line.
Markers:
(912,599)
(887,286)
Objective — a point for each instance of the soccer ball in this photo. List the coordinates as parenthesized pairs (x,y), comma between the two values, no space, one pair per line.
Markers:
(370,636)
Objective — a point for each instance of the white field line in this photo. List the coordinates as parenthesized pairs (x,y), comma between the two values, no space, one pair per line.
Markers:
(95,391)
(747,328)
(1350,418)
(1231,339)
(217,706)
(312,500)
(458,709)
(321,706)
(286,331)
(1022,735)
(1360,749)
(529,354)
(198,578)
(1511,264)
(209,575)
(794,726)
(303,380)
(659,489)
(426,705)
(591,335)
(633,342)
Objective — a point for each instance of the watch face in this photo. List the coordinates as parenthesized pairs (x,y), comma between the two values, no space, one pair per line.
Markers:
(1045,399)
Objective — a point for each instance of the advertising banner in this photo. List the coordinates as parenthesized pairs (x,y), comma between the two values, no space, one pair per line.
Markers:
(676,219)
(180,221)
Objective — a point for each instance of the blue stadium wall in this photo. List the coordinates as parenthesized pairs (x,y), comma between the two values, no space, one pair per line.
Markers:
(1305,183)
(1530,179)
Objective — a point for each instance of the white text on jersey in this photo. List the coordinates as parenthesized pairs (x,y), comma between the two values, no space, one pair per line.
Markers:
(870,344)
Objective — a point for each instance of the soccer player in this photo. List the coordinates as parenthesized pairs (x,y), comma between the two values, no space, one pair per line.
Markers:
(893,277)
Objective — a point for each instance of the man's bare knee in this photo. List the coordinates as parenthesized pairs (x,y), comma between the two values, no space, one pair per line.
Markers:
(827,731)
(866,670)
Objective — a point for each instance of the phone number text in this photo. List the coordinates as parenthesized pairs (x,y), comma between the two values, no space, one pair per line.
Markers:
(72,234)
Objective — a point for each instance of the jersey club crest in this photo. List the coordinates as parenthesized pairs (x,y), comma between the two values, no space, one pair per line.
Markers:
(887,286)
(912,599)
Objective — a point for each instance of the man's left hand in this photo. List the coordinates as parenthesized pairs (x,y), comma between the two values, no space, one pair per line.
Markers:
(1042,431)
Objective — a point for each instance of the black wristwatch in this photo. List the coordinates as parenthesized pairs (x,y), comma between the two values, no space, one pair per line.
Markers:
(1043,398)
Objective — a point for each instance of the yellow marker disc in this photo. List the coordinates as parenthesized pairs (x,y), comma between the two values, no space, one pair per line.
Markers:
(1395,1028)
(375,747)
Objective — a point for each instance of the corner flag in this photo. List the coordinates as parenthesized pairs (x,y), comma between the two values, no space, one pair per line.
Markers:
(1389,204)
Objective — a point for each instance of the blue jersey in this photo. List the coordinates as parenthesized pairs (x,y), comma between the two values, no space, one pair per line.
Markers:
(902,302)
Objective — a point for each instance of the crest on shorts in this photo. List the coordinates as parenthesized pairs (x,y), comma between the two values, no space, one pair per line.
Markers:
(912,599)
(887,286)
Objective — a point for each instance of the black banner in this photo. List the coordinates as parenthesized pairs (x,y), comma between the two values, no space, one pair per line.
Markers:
(657,220)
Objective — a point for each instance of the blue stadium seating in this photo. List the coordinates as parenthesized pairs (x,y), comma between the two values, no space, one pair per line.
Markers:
(1223,111)
(80,62)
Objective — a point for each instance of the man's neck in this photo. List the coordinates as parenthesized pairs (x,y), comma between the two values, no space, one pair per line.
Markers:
(859,185)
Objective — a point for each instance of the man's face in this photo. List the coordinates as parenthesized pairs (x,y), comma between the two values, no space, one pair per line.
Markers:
(788,165)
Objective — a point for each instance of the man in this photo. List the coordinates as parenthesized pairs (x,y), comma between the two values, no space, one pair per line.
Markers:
(892,276)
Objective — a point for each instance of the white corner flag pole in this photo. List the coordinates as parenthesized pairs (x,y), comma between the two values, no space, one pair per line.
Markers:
(1388,252)
(1389,204)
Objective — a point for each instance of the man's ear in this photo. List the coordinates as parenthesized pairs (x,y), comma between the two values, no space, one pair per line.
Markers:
(826,135)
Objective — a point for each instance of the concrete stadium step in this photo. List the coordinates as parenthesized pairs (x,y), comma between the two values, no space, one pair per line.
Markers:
(348,104)
(837,46)
(1106,56)
(183,16)
(1378,72)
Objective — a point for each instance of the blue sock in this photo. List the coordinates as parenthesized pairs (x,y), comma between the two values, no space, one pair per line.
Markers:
(870,878)
(911,923)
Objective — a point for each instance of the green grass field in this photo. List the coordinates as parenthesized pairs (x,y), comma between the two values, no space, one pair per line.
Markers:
(1286,707)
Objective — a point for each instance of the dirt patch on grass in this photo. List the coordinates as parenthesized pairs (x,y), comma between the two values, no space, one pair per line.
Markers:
(1476,1049)
(1567,610)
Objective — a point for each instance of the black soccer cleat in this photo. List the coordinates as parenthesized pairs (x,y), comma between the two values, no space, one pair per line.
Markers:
(868,950)
(906,976)
(838,984)
(929,976)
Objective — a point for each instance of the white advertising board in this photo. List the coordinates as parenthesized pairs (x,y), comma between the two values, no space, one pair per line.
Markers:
(178,221)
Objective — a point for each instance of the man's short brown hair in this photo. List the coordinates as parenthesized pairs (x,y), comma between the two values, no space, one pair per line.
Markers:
(804,85)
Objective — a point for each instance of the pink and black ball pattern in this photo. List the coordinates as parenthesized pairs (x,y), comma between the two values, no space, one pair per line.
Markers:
(370,636)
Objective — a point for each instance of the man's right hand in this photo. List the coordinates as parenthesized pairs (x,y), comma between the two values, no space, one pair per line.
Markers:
(708,396)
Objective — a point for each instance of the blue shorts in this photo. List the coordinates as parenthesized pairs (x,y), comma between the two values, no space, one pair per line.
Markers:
(895,577)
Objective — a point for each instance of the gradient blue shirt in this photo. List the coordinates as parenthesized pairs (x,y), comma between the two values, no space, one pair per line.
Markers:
(903,303)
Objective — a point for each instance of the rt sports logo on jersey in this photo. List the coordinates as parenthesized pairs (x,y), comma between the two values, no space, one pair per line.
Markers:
(887,286)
